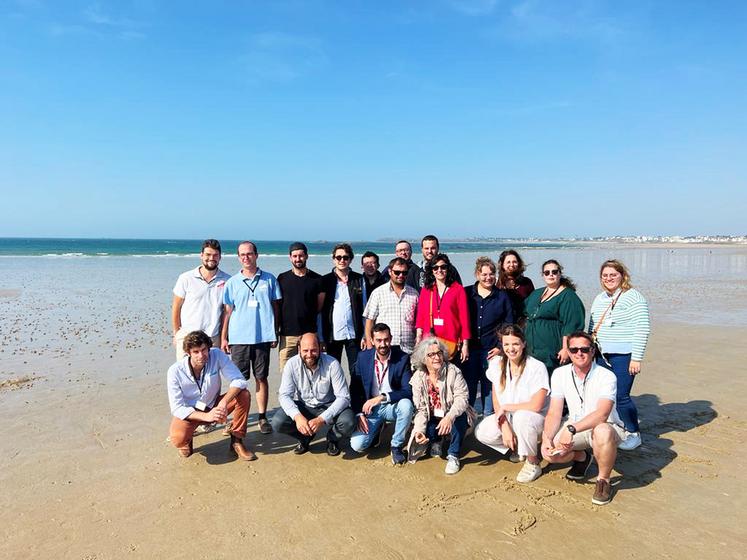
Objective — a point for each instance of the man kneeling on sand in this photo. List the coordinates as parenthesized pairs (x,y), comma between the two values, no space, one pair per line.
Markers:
(593,423)
(194,384)
(313,393)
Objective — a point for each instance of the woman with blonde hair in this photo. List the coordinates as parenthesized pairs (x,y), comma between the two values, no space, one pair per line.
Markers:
(620,324)
(520,389)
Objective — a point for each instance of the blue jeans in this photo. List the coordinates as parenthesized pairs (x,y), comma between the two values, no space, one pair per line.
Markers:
(625,405)
(400,413)
(474,374)
(458,430)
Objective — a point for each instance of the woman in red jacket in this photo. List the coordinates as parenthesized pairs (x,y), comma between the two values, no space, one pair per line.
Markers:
(442,308)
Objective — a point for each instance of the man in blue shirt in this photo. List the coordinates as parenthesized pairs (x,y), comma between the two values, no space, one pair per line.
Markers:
(250,323)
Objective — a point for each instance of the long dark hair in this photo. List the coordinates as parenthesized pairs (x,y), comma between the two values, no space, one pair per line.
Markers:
(429,280)
(503,276)
(511,330)
(564,280)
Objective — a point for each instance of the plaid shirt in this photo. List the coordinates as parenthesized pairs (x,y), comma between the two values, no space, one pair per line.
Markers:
(397,312)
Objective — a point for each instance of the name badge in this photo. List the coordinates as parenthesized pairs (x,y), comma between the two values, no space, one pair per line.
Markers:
(438,322)
(201,406)
(438,412)
(252,303)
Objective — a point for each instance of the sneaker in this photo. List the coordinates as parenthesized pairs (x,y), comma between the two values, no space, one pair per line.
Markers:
(204,429)
(452,464)
(227,429)
(602,492)
(579,468)
(436,449)
(529,472)
(515,457)
(333,450)
(398,458)
(302,447)
(631,442)
(264,426)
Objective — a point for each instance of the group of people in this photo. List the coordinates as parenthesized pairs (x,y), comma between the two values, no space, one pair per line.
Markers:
(423,352)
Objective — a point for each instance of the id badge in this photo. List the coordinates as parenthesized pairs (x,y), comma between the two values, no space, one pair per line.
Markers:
(252,303)
(438,412)
(438,322)
(201,406)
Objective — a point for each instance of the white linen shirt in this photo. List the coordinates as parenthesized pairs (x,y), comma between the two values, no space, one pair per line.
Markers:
(533,378)
(184,392)
(203,301)
(582,396)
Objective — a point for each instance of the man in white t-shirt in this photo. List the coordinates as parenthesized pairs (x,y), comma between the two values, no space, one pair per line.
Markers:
(590,391)
(198,298)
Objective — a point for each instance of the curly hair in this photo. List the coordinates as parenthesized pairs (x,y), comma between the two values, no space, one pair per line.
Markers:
(417,359)
(195,339)
(429,279)
(503,276)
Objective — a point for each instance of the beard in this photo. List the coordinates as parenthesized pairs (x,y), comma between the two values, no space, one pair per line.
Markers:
(212,265)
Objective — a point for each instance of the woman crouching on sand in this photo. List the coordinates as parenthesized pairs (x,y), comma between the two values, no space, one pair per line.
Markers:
(439,393)
(620,323)
(520,389)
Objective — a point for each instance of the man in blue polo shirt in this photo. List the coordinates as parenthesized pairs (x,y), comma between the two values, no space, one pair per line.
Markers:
(250,323)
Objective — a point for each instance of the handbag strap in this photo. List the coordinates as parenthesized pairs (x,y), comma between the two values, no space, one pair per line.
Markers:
(601,319)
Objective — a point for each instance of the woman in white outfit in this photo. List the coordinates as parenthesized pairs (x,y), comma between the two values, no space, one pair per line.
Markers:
(520,389)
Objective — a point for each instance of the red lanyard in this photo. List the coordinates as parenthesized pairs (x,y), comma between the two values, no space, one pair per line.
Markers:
(380,377)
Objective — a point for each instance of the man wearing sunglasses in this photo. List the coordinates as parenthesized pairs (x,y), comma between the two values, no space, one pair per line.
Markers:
(590,391)
(393,304)
(342,307)
(429,247)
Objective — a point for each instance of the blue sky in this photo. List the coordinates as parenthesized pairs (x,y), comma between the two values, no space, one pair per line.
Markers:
(352,119)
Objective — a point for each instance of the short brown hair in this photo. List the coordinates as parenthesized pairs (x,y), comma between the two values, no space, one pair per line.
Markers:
(195,339)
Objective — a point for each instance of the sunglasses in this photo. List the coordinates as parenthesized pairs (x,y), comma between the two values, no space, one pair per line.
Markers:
(553,272)
(440,267)
(341,257)
(577,349)
(399,272)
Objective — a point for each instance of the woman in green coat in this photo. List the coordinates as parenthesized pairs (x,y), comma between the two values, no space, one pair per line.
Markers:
(552,312)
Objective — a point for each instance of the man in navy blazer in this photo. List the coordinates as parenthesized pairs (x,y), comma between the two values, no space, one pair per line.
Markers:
(380,392)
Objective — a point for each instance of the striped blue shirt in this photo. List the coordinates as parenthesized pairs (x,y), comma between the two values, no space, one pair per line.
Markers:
(625,327)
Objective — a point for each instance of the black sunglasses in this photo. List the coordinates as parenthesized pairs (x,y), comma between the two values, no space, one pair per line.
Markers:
(577,349)
(440,267)
(399,272)
(341,257)
(553,272)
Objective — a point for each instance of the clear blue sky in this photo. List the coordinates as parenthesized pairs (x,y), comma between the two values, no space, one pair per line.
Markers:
(364,119)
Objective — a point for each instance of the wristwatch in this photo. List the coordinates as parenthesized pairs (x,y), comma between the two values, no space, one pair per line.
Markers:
(571,428)
(385,397)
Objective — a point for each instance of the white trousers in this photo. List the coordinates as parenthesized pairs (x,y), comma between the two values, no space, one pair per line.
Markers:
(527,426)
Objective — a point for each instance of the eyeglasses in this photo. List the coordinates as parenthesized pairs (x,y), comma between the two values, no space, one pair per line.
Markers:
(577,349)
(342,257)
(440,267)
(553,272)
(399,272)
(432,355)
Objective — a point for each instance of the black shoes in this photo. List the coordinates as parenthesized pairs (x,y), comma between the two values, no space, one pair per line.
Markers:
(333,450)
(302,447)
(579,468)
(398,457)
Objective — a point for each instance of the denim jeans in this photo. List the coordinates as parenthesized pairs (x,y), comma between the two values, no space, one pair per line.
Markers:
(400,413)
(625,405)
(458,430)
(474,374)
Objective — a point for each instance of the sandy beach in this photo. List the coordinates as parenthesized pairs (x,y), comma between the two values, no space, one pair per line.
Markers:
(87,472)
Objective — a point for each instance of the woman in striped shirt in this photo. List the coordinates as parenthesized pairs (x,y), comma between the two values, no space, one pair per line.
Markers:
(620,322)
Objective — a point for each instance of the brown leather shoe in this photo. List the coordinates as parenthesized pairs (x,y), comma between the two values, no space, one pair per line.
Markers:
(185,451)
(238,449)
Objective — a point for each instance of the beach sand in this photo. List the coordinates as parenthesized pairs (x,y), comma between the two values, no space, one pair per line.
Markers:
(87,473)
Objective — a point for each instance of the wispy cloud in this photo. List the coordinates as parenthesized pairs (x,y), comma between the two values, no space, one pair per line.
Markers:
(473,7)
(283,57)
(126,28)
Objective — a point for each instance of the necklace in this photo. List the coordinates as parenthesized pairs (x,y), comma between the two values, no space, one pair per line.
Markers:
(546,296)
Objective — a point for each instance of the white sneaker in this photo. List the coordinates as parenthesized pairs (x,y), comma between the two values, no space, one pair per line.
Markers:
(529,472)
(204,429)
(452,464)
(631,442)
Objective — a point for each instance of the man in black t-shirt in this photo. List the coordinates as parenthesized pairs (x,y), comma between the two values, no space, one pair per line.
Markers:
(300,304)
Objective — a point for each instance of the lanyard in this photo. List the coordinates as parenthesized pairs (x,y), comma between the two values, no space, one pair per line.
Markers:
(439,298)
(199,382)
(583,386)
(252,284)
(380,378)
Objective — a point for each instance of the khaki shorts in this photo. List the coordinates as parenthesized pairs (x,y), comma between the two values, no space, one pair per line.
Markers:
(583,440)
(287,348)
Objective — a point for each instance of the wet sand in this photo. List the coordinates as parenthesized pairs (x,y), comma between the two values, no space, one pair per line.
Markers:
(86,471)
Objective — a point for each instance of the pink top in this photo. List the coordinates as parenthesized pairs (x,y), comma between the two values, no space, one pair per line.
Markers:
(451,310)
